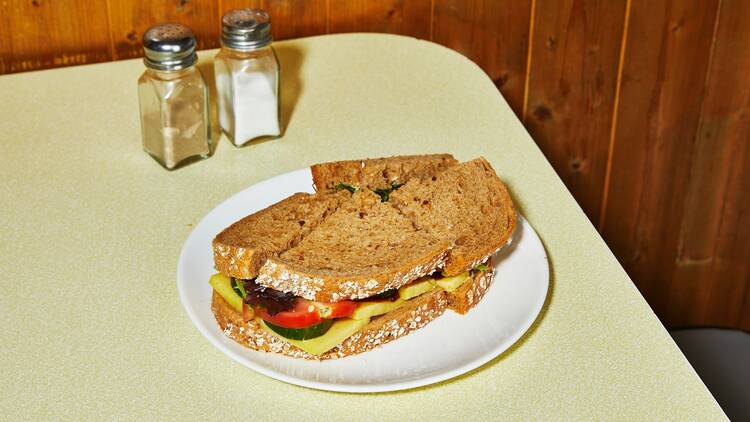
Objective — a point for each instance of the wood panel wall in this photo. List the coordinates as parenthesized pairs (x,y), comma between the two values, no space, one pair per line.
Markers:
(642,107)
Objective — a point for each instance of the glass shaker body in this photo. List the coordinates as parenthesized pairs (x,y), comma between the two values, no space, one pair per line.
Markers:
(173,97)
(247,77)
(174,115)
(247,85)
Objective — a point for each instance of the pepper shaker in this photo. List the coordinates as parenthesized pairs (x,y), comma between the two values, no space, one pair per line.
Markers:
(173,98)
(247,77)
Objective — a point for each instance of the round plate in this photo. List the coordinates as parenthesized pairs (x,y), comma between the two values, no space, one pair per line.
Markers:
(447,347)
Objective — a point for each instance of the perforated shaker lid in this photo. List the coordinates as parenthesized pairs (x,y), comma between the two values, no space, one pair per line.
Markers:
(246,29)
(169,46)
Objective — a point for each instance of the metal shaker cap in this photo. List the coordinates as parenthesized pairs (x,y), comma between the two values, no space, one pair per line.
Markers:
(246,29)
(169,46)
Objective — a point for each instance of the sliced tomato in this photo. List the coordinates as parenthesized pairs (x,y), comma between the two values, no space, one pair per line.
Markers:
(336,309)
(304,314)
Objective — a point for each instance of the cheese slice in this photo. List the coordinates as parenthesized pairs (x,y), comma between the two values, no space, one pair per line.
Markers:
(450,284)
(369,309)
(341,329)
(223,286)
(417,288)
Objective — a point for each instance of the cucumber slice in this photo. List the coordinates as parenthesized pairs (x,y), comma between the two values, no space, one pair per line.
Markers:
(312,331)
(341,329)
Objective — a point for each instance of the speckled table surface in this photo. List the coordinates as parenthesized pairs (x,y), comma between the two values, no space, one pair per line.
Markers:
(92,227)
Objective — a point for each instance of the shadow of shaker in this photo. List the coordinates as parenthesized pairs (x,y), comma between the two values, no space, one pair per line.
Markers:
(206,67)
(290,64)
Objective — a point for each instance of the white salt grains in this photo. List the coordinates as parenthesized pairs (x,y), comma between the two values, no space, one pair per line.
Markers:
(248,103)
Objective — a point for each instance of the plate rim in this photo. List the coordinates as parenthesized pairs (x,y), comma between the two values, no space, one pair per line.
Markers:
(499,349)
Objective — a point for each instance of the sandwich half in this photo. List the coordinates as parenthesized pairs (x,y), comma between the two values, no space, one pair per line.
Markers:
(381,249)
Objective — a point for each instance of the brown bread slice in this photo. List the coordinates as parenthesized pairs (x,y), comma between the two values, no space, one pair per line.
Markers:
(365,247)
(242,248)
(378,173)
(415,314)
(472,291)
(467,204)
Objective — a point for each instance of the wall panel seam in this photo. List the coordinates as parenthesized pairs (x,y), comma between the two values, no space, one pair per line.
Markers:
(528,62)
(328,16)
(110,31)
(696,137)
(432,20)
(671,276)
(615,110)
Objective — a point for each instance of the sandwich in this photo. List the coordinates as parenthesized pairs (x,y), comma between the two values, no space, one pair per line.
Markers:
(383,247)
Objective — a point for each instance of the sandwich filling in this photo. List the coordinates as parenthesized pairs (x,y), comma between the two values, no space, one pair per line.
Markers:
(317,327)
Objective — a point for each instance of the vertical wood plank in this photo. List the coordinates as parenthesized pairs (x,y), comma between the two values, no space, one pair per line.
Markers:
(6,48)
(131,18)
(713,262)
(494,34)
(289,18)
(730,278)
(393,16)
(39,34)
(664,74)
(575,55)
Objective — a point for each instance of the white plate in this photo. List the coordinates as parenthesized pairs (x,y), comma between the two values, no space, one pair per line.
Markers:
(447,347)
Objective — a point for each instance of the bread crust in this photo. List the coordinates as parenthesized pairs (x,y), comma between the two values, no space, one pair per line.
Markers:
(364,248)
(239,255)
(473,290)
(458,263)
(276,275)
(478,224)
(375,173)
(404,320)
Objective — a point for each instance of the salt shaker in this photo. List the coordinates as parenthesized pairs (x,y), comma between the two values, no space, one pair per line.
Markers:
(173,98)
(247,77)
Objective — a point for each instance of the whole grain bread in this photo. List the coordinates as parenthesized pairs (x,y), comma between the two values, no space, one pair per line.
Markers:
(466,204)
(378,173)
(415,314)
(363,248)
(333,246)
(242,248)
(473,290)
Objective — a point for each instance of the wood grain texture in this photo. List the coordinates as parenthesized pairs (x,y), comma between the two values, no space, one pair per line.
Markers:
(39,34)
(289,18)
(744,323)
(494,34)
(131,18)
(713,262)
(653,140)
(405,17)
(730,276)
(575,55)
(663,80)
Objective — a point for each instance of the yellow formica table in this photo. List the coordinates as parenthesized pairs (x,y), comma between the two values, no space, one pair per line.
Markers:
(91,228)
